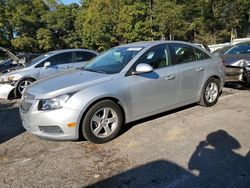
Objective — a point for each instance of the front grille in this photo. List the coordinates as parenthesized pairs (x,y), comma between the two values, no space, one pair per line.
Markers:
(247,76)
(25,106)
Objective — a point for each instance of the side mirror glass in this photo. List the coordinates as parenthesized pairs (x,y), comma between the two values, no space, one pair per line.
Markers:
(143,68)
(46,64)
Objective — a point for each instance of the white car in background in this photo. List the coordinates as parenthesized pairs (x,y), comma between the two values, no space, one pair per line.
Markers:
(14,82)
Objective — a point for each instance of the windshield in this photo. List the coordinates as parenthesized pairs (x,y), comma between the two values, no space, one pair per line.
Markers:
(221,51)
(37,59)
(239,49)
(113,61)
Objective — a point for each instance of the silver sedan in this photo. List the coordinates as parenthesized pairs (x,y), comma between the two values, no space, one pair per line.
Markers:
(124,84)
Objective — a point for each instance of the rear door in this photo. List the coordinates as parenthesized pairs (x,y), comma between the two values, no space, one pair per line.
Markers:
(201,64)
(184,57)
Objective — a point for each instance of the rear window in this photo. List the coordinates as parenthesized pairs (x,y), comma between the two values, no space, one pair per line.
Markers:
(183,53)
(84,56)
(200,55)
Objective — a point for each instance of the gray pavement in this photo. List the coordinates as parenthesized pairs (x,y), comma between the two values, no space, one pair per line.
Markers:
(189,147)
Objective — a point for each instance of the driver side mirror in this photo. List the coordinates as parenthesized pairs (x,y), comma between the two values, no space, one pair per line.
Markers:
(46,65)
(143,68)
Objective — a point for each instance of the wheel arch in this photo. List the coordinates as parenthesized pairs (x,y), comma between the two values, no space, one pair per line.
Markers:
(20,80)
(25,78)
(206,80)
(111,98)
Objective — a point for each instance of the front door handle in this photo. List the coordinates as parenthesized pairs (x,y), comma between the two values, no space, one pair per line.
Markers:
(200,69)
(170,77)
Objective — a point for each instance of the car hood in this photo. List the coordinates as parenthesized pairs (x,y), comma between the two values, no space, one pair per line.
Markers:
(13,70)
(69,82)
(237,60)
(16,70)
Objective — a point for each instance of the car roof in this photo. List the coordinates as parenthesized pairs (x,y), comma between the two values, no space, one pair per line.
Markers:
(70,50)
(152,43)
(242,43)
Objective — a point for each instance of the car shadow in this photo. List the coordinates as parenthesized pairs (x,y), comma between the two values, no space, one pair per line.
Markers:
(10,122)
(128,126)
(214,159)
(237,85)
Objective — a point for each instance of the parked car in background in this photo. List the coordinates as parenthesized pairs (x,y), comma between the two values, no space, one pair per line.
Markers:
(14,62)
(221,51)
(204,46)
(7,65)
(124,84)
(237,62)
(11,62)
(42,66)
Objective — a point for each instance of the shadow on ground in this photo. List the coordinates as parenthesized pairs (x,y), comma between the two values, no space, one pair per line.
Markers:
(10,122)
(237,85)
(214,159)
(128,126)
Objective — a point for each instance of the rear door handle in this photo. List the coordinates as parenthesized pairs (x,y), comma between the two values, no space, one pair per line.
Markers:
(200,69)
(170,77)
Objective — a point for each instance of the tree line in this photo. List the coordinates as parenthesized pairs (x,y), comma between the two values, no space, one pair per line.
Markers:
(36,25)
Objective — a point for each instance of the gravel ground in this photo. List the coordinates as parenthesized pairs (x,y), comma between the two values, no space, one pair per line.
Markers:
(189,147)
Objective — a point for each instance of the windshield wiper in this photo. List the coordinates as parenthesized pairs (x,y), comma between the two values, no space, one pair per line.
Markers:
(94,70)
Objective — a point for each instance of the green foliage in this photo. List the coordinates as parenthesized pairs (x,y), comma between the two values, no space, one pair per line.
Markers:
(24,43)
(171,26)
(36,25)
(45,39)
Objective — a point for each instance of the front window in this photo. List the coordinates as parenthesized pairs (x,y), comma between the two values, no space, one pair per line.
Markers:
(113,61)
(37,59)
(157,57)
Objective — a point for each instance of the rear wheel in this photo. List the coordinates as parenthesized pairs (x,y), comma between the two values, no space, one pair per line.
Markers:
(210,93)
(102,122)
(22,85)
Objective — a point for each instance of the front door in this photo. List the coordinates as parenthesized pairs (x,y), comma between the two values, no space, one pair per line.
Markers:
(155,91)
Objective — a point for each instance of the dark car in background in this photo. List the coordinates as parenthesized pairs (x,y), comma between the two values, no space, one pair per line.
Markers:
(237,61)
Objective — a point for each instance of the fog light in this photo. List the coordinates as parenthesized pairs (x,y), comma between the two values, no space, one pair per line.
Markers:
(50,129)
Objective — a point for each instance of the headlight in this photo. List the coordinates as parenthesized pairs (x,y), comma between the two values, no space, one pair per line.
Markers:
(52,104)
(14,77)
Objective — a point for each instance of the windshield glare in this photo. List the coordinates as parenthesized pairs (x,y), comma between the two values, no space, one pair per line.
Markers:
(113,61)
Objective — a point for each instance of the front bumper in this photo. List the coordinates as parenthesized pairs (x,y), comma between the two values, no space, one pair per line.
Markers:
(49,124)
(5,90)
(235,74)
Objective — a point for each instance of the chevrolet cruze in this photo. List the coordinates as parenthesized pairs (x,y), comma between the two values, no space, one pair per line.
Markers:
(124,84)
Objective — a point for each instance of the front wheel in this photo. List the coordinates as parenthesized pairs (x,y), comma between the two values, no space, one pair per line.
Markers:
(210,93)
(102,122)
(22,85)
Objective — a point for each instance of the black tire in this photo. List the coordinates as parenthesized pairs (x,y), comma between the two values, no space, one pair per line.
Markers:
(204,101)
(18,93)
(87,124)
